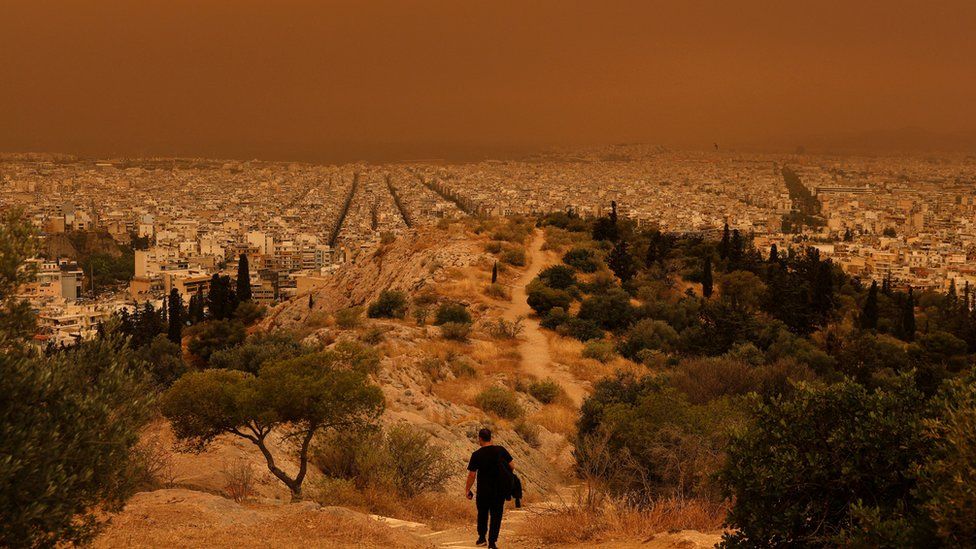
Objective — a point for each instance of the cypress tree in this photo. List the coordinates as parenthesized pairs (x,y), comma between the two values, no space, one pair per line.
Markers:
(613,212)
(707,277)
(494,273)
(310,301)
(724,246)
(736,250)
(908,317)
(773,254)
(243,279)
(869,315)
(216,297)
(621,263)
(175,305)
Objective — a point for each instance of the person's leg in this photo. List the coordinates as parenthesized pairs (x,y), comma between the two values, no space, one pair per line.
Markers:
(483,507)
(497,508)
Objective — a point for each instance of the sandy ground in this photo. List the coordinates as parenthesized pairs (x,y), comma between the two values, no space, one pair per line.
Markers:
(534,347)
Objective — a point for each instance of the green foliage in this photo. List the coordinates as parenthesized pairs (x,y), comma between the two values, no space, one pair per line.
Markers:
(583,330)
(545,391)
(796,473)
(389,304)
(559,277)
(556,317)
(249,312)
(543,299)
(215,335)
(299,397)
(417,466)
(256,351)
(17,244)
(610,310)
(602,351)
(164,360)
(500,401)
(648,334)
(68,423)
(582,259)
(514,256)
(452,312)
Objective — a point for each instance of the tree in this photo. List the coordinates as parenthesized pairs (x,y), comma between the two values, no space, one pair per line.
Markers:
(773,254)
(559,277)
(68,420)
(725,246)
(621,263)
(908,317)
(869,314)
(810,464)
(494,272)
(543,299)
(707,281)
(736,250)
(175,329)
(243,279)
(215,335)
(389,304)
(297,398)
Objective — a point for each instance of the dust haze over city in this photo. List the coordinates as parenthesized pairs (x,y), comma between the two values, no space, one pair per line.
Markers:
(702,271)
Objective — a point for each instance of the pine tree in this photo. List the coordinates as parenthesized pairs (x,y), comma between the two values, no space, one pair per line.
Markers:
(773,254)
(621,263)
(736,250)
(725,246)
(175,305)
(869,314)
(243,279)
(707,277)
(494,273)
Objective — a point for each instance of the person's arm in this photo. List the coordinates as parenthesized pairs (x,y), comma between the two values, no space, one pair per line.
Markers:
(469,484)
(511,461)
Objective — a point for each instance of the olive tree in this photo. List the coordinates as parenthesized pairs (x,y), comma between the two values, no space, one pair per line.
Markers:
(296,397)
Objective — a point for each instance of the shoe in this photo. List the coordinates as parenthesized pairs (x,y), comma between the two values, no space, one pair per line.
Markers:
(492,545)
(480,542)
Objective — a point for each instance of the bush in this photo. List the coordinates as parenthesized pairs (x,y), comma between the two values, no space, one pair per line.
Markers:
(416,465)
(455,331)
(513,256)
(599,350)
(350,318)
(497,291)
(556,317)
(389,304)
(805,462)
(543,299)
(249,312)
(452,312)
(503,329)
(581,259)
(501,402)
(559,277)
(165,361)
(257,350)
(493,247)
(655,335)
(529,432)
(215,335)
(611,310)
(545,391)
(583,330)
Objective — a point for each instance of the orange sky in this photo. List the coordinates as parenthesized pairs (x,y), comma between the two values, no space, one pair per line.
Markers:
(322,80)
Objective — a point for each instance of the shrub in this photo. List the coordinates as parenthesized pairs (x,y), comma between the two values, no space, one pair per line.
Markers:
(555,318)
(257,350)
(559,277)
(373,336)
(581,259)
(543,299)
(249,312)
(611,310)
(389,304)
(497,291)
(500,401)
(240,480)
(545,391)
(529,432)
(350,318)
(513,256)
(416,465)
(493,247)
(797,473)
(583,330)
(164,359)
(452,312)
(215,335)
(599,350)
(455,331)
(504,329)
(656,335)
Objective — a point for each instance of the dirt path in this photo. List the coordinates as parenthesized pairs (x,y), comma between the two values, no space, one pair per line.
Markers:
(534,347)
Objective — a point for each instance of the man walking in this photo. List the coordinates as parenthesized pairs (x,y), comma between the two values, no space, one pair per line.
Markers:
(492,466)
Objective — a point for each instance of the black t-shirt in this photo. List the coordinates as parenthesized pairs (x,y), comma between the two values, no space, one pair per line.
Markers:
(487,462)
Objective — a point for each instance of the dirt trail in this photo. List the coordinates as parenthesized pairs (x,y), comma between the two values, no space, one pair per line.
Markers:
(534,347)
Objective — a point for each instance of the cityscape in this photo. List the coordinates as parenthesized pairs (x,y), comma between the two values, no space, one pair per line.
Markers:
(910,220)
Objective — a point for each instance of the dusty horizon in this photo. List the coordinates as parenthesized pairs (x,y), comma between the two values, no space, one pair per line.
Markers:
(339,81)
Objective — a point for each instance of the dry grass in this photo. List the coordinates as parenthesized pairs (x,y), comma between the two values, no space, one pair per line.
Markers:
(618,520)
(438,510)
(459,391)
(569,351)
(557,418)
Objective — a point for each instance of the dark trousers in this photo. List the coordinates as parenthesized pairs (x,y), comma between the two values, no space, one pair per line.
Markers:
(490,516)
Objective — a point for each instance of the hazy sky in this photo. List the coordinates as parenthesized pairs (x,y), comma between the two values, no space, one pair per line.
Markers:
(303,79)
